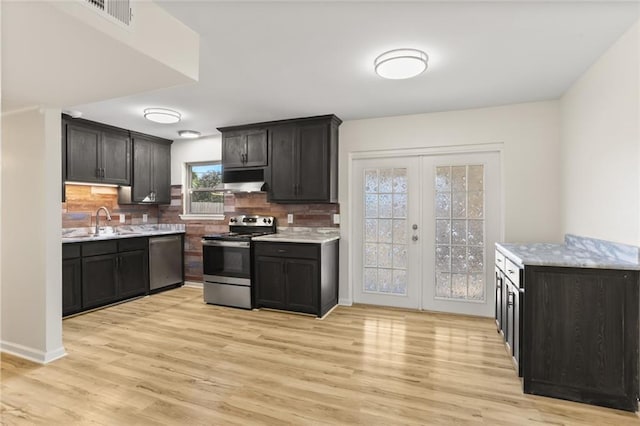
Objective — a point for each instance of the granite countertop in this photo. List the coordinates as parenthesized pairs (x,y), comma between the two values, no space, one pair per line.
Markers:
(302,235)
(79,235)
(577,252)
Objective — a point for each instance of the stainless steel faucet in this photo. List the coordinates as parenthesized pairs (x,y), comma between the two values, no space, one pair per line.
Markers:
(98,219)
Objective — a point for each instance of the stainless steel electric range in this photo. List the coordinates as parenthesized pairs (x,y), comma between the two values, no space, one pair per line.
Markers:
(226,260)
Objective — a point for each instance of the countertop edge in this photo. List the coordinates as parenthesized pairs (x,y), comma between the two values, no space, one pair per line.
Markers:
(120,236)
(596,264)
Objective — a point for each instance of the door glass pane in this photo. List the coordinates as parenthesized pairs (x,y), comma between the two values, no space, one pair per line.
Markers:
(385,231)
(460,249)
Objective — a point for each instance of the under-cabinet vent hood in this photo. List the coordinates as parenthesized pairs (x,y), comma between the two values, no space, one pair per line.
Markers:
(242,181)
(241,187)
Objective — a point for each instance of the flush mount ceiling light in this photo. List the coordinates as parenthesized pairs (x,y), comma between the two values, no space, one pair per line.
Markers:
(398,64)
(189,134)
(162,115)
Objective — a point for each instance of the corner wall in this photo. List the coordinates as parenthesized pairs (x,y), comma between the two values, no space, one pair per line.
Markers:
(31,308)
(600,150)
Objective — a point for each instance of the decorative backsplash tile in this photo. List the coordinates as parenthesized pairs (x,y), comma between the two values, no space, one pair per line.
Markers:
(307,215)
(82,202)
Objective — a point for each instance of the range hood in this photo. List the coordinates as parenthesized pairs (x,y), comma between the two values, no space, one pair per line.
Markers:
(241,187)
(251,180)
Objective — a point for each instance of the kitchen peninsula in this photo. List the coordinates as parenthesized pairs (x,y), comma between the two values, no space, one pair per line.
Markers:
(569,316)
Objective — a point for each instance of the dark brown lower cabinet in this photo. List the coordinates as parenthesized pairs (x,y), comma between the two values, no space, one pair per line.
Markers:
(99,280)
(298,277)
(99,273)
(581,330)
(71,286)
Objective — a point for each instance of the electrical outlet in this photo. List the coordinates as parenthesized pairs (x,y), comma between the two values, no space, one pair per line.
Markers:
(290,218)
(336,219)
(145,218)
(121,218)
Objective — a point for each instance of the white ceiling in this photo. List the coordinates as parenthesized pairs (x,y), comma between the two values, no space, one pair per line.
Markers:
(275,60)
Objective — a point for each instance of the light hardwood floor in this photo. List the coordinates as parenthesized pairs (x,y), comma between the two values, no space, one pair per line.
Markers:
(170,359)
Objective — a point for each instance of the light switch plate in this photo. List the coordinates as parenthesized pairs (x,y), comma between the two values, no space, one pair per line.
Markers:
(145,218)
(336,219)
(290,218)
(121,218)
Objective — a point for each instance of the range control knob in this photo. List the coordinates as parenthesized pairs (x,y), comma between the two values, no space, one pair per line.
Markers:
(233,220)
(264,220)
(269,221)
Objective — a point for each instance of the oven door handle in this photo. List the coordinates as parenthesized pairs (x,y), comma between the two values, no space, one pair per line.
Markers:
(240,244)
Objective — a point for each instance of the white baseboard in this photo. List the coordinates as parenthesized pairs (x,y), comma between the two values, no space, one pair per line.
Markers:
(193,284)
(32,354)
(345,302)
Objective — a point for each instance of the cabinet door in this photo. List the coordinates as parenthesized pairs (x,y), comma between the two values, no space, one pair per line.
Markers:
(270,283)
(71,286)
(256,154)
(162,173)
(116,158)
(313,160)
(82,154)
(302,285)
(133,279)
(498,307)
(99,280)
(283,164)
(234,148)
(517,329)
(142,157)
(510,321)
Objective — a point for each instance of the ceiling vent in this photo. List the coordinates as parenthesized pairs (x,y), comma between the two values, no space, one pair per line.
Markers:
(118,10)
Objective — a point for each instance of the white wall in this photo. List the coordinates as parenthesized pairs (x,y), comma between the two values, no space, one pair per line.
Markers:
(600,147)
(190,151)
(530,134)
(31,250)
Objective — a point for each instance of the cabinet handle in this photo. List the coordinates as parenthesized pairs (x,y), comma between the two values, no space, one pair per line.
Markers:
(281,251)
(510,299)
(102,172)
(97,172)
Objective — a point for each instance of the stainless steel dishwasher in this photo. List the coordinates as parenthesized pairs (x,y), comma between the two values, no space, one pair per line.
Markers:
(165,261)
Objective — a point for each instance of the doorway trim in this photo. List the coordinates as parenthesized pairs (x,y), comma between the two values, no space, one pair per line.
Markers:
(407,152)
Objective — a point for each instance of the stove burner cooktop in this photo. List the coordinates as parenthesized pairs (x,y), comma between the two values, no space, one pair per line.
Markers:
(243,228)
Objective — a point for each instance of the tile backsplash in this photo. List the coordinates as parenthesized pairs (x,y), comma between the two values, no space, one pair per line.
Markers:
(311,215)
(82,202)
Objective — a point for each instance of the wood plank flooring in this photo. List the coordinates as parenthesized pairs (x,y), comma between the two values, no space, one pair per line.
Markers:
(170,359)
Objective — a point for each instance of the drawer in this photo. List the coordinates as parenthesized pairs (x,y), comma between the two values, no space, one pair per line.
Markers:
(512,271)
(297,250)
(500,260)
(99,247)
(70,251)
(129,244)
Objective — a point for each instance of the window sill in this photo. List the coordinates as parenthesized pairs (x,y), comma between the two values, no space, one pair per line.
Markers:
(217,216)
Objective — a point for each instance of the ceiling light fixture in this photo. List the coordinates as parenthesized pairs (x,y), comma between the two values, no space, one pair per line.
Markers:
(399,64)
(162,115)
(189,134)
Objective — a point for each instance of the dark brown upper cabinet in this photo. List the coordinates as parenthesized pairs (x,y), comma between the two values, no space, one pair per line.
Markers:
(151,170)
(302,155)
(244,148)
(304,161)
(96,154)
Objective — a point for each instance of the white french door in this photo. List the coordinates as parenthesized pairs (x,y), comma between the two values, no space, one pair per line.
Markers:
(386,207)
(461,216)
(425,228)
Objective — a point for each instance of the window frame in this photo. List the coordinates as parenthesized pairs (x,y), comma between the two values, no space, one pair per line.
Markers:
(187,191)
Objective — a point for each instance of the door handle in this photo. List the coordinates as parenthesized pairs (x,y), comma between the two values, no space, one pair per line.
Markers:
(414,227)
(414,238)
